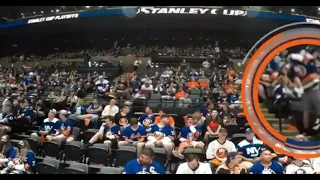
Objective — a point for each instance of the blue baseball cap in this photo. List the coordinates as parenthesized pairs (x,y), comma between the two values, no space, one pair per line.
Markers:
(249,130)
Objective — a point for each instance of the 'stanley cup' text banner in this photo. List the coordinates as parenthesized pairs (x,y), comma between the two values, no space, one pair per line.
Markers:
(190,11)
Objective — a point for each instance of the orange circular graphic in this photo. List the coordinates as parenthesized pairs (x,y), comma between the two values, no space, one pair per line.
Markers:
(285,37)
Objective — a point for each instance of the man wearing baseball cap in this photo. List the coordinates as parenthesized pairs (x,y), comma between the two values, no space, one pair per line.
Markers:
(218,149)
(250,149)
(49,126)
(231,166)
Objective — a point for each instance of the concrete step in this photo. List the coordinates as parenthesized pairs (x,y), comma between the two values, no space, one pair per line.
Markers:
(289,133)
(269,115)
(277,127)
(273,120)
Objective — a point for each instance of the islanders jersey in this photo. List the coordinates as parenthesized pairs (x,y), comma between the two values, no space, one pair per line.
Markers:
(29,160)
(92,107)
(134,167)
(134,135)
(250,149)
(217,150)
(304,66)
(50,126)
(186,133)
(26,113)
(305,168)
(161,132)
(11,153)
(7,120)
(258,168)
(101,87)
(148,119)
(28,80)
(66,127)
(112,133)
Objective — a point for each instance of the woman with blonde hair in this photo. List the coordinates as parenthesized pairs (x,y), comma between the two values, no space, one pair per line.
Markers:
(24,163)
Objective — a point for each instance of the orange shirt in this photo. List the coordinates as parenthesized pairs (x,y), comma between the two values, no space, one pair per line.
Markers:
(171,121)
(179,95)
(213,126)
(193,84)
(204,84)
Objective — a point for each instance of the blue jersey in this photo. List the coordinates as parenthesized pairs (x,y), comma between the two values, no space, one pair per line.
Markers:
(162,131)
(113,131)
(250,149)
(101,87)
(28,80)
(275,168)
(30,159)
(205,112)
(92,107)
(11,153)
(274,64)
(134,135)
(7,120)
(66,127)
(134,167)
(26,113)
(186,133)
(231,98)
(51,126)
(146,117)
(80,110)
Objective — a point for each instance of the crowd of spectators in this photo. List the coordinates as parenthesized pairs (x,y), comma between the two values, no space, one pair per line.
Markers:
(162,115)
(137,50)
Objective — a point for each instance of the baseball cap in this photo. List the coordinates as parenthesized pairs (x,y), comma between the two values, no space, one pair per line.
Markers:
(249,130)
(231,155)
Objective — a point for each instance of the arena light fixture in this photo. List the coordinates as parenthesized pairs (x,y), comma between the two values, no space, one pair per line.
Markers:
(41,12)
(318,8)
(52,11)
(292,10)
(57,10)
(34,12)
(87,7)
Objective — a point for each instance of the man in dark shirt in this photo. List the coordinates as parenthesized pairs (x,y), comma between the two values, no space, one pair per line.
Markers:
(122,117)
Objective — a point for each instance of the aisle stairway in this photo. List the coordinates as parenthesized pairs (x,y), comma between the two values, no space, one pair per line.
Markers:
(89,97)
(274,122)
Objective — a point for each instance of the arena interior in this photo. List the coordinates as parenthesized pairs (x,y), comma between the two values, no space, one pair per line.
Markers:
(145,90)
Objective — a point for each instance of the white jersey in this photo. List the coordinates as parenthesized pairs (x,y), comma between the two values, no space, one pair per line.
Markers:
(204,168)
(219,151)
(305,168)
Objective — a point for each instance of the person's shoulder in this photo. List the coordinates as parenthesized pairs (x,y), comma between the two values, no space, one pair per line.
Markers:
(132,162)
(256,164)
(276,163)
(157,164)
(204,165)
(243,143)
(229,142)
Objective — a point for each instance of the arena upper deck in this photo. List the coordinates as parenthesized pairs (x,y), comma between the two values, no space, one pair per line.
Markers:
(153,18)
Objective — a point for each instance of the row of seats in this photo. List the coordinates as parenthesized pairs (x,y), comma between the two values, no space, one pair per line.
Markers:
(53,166)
